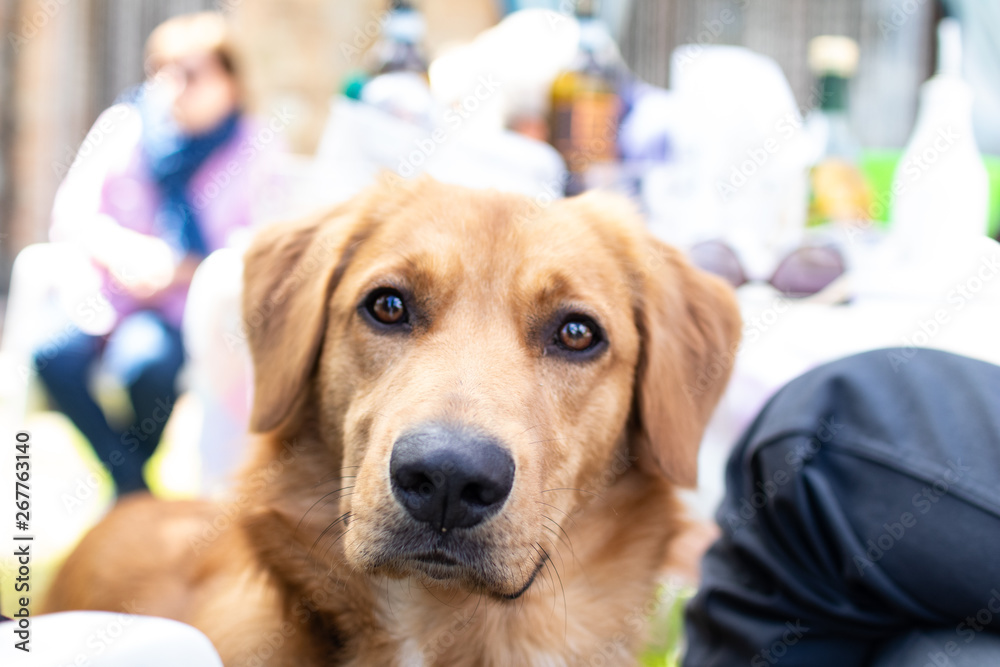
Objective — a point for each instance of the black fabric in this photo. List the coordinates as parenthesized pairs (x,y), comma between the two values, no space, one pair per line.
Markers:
(861,504)
(938,648)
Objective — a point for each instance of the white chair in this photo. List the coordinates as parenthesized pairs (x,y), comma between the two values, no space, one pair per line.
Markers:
(105,639)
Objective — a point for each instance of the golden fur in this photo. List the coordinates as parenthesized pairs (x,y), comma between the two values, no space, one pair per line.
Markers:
(300,568)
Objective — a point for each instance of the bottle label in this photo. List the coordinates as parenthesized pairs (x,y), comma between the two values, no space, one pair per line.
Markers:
(585,130)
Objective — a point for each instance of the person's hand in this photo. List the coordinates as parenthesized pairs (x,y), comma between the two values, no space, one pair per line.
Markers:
(182,274)
(143,265)
(140,264)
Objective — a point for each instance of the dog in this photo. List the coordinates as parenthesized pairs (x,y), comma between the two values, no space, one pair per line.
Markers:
(471,413)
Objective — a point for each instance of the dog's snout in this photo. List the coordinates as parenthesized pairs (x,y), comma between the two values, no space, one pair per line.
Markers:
(449,477)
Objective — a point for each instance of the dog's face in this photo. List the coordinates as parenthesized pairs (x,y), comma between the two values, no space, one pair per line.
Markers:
(477,364)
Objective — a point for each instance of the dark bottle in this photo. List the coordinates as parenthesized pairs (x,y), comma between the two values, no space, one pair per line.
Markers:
(838,190)
(585,104)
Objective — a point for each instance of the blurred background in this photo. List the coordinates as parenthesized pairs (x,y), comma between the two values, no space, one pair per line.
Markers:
(835,160)
(64,62)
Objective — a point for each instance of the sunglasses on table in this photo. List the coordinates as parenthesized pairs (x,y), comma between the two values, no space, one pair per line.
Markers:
(801,273)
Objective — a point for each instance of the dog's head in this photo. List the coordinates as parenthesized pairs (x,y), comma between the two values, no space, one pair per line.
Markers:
(472,364)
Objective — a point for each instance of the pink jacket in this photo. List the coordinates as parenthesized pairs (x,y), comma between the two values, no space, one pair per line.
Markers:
(108,177)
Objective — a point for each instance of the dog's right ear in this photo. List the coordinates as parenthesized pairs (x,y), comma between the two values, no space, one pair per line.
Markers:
(290,272)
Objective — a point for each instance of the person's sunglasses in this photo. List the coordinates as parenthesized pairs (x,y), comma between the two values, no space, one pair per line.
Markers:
(802,273)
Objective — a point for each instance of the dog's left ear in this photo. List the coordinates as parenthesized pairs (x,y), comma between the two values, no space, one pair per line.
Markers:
(290,271)
(690,328)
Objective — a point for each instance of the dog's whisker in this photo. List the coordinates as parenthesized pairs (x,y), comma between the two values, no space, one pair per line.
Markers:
(474,610)
(334,475)
(538,442)
(562,560)
(568,540)
(543,567)
(388,602)
(559,538)
(572,488)
(342,517)
(558,509)
(466,598)
(334,543)
(334,479)
(563,589)
(520,570)
(330,546)
(354,568)
(482,626)
(548,569)
(530,428)
(313,506)
(539,559)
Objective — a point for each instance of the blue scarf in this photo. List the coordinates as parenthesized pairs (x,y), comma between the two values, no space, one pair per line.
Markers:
(172,159)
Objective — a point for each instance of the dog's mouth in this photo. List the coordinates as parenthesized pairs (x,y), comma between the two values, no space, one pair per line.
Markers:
(442,566)
(435,564)
(531,580)
(435,558)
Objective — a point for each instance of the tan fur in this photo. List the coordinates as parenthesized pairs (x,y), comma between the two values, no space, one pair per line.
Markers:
(299,568)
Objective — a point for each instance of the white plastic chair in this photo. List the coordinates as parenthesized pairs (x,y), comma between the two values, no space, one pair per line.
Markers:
(105,639)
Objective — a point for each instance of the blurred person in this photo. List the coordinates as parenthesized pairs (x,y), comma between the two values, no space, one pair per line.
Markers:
(164,181)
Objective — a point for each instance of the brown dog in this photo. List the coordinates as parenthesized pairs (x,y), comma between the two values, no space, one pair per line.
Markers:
(474,411)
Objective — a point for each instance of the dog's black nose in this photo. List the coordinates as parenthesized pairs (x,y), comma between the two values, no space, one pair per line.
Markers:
(449,477)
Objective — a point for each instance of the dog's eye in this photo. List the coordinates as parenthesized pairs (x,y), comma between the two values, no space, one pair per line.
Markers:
(387,307)
(577,335)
